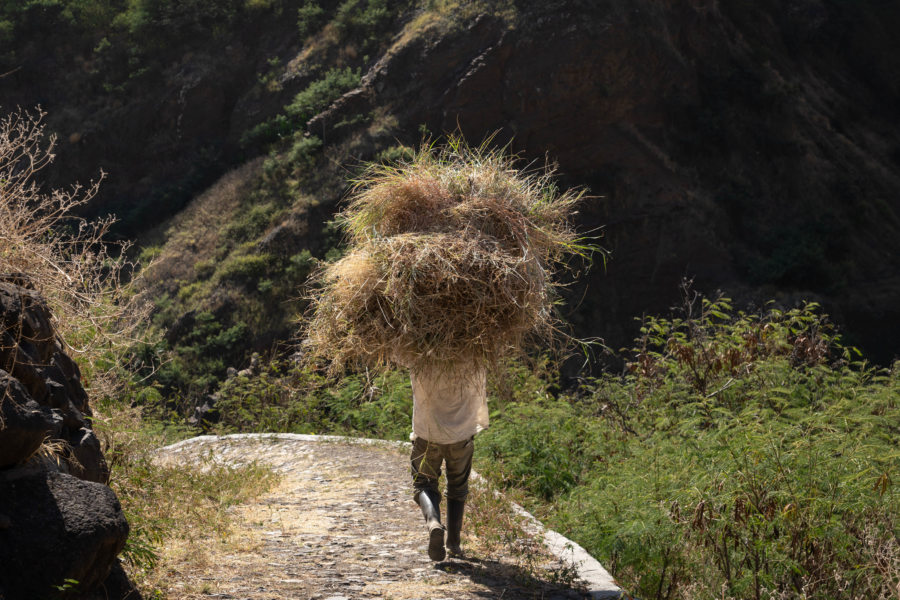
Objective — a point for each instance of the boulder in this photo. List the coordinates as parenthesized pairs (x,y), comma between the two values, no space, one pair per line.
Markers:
(55,527)
(58,519)
(117,586)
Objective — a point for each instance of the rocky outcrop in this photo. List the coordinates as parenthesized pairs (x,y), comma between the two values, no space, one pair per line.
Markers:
(24,424)
(42,387)
(59,521)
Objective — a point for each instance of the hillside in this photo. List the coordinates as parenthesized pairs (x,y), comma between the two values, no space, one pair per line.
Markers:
(754,147)
(739,446)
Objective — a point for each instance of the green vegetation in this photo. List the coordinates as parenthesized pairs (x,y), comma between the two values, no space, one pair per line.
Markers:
(153,29)
(741,456)
(308,103)
(128,48)
(310,17)
(738,456)
(366,20)
(286,397)
(750,455)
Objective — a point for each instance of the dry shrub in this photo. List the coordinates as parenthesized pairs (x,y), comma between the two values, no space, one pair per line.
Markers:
(62,255)
(452,259)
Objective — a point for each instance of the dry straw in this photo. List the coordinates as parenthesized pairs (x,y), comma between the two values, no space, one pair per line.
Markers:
(451,259)
(64,257)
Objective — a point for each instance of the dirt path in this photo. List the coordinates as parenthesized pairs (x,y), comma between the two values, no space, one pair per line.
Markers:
(341,525)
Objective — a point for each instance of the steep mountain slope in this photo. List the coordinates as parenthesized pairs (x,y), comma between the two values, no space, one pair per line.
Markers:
(146,91)
(752,146)
(742,146)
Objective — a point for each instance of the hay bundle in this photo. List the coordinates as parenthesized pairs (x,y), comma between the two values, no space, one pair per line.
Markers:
(451,259)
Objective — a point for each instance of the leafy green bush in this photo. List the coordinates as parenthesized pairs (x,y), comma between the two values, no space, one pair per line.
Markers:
(300,265)
(204,268)
(740,456)
(268,131)
(319,94)
(310,17)
(539,447)
(362,21)
(260,5)
(245,268)
(193,362)
(288,398)
(160,20)
(305,105)
(303,150)
(250,224)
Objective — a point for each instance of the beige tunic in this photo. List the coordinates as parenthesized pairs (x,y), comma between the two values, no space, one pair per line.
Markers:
(449,405)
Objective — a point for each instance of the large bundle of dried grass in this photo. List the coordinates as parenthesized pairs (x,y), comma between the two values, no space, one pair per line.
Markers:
(451,259)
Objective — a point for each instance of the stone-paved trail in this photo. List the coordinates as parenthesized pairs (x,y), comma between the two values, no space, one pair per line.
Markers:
(341,525)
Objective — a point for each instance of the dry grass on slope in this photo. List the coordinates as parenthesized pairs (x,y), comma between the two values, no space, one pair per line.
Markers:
(194,235)
(170,505)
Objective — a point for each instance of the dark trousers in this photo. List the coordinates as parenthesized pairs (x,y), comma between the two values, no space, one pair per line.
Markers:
(426,458)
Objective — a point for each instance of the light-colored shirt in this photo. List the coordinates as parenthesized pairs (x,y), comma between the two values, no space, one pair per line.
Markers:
(449,404)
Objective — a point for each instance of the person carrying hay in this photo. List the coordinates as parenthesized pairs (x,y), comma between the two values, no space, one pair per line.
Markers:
(449,269)
(449,408)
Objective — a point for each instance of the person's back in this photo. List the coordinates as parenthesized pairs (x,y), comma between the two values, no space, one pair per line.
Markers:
(449,404)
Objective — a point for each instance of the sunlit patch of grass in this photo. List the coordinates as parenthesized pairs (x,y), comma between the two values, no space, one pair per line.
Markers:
(442,16)
(169,506)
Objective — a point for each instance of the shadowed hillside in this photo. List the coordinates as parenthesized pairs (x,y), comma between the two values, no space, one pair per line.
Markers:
(751,146)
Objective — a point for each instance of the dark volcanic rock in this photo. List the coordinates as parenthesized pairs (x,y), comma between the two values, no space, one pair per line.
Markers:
(23,423)
(54,526)
(58,527)
(116,586)
(44,383)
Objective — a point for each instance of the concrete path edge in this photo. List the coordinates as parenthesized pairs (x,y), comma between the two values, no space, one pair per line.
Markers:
(600,584)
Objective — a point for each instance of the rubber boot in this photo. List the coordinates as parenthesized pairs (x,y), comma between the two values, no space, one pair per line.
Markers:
(430,503)
(455,510)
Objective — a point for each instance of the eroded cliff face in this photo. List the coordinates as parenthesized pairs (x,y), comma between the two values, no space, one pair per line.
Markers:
(739,146)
